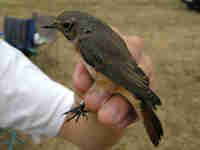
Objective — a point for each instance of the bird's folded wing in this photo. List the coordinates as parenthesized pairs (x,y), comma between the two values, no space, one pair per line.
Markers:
(113,60)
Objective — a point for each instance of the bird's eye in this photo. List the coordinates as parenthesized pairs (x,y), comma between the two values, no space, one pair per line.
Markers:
(66,25)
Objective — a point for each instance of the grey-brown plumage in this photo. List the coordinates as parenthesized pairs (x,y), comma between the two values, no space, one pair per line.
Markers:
(105,51)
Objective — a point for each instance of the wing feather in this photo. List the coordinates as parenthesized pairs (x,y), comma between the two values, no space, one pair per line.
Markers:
(115,61)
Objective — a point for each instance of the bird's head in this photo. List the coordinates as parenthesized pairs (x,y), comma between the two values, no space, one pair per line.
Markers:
(73,24)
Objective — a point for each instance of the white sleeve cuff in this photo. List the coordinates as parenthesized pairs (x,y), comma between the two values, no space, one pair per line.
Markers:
(29,100)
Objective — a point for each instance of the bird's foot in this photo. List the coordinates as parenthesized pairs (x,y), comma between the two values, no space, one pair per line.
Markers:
(77,112)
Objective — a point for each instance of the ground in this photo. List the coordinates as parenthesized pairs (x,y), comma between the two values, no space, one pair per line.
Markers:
(171,35)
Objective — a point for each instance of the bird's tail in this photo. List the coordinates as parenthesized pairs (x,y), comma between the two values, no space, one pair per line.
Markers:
(150,98)
(152,124)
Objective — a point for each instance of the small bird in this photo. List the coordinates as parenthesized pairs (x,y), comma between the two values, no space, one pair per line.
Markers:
(111,65)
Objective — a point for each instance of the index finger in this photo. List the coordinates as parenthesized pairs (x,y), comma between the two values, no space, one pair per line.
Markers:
(82,80)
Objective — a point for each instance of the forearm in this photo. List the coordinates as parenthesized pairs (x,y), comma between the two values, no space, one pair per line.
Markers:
(30,100)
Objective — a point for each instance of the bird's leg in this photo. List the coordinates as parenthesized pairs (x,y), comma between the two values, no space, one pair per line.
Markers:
(77,112)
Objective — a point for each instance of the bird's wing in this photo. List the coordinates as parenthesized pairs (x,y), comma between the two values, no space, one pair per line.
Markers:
(110,58)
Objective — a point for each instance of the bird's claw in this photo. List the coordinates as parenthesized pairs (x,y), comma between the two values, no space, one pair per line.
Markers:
(77,112)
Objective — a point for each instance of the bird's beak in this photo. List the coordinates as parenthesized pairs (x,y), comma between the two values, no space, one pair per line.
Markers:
(51,26)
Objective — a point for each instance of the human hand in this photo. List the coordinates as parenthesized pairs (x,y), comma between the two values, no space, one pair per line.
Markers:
(112,111)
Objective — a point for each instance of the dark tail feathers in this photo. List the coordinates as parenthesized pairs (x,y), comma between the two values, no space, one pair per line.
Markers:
(150,98)
(152,124)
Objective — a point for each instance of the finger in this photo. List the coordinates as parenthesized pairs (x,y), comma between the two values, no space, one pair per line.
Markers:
(116,113)
(81,79)
(95,99)
(146,64)
(136,46)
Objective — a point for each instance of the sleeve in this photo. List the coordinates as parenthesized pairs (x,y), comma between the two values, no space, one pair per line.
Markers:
(29,100)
